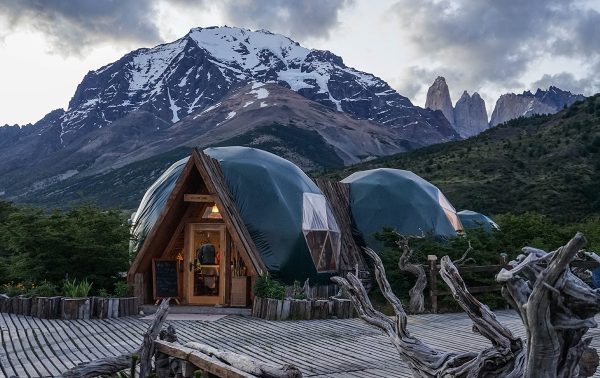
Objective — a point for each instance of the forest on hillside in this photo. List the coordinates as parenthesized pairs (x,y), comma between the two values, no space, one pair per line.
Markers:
(548,164)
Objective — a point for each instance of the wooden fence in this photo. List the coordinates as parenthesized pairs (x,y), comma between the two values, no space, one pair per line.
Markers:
(433,270)
(69,308)
(302,309)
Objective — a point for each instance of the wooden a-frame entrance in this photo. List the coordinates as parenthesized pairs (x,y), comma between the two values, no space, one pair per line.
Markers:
(200,211)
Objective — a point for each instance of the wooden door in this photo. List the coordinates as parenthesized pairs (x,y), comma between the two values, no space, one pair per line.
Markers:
(205,273)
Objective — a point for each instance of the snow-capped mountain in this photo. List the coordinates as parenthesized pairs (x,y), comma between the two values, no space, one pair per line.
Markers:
(134,102)
(175,79)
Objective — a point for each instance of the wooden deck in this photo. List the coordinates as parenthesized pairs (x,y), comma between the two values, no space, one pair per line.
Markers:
(32,347)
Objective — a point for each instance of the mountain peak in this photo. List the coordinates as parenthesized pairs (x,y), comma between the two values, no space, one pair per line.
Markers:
(470,115)
(438,98)
(527,104)
(148,91)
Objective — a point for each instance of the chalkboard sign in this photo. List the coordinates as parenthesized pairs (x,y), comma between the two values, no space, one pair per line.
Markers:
(166,280)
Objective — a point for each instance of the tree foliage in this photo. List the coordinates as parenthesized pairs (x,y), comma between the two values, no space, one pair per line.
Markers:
(516,232)
(82,243)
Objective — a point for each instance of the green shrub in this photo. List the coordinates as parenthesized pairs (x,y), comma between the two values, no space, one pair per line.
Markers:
(76,289)
(266,287)
(517,231)
(45,289)
(297,291)
(121,289)
(12,290)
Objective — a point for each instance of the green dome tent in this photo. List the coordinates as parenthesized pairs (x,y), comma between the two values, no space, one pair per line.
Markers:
(285,213)
(151,205)
(401,200)
(471,219)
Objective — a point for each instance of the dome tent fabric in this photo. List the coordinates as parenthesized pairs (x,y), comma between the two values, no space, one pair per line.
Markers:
(283,210)
(400,200)
(471,219)
(151,205)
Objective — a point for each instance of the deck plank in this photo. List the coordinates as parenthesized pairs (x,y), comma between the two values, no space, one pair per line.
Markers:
(320,348)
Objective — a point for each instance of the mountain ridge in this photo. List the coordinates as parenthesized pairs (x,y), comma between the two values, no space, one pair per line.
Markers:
(161,86)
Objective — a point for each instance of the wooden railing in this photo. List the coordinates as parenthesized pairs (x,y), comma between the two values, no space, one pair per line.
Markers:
(433,270)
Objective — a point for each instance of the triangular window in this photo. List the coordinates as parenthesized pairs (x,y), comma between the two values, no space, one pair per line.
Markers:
(321,232)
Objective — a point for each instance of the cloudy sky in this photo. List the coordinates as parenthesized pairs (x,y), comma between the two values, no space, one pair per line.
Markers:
(489,46)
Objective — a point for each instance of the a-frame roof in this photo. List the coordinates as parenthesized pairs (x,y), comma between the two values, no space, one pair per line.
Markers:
(211,174)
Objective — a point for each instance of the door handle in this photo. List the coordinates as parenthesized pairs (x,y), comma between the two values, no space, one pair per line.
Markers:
(191,267)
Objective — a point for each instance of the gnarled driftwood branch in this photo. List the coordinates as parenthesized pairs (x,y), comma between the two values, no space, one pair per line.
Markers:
(557,309)
(417,298)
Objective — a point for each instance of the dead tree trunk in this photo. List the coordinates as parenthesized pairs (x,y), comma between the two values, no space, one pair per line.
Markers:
(248,364)
(556,306)
(417,298)
(557,309)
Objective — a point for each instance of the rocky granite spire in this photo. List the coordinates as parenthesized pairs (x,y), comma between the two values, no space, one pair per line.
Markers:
(470,116)
(510,105)
(438,98)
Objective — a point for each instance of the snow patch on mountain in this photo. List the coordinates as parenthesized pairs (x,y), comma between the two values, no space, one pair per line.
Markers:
(260,93)
(196,71)
(174,107)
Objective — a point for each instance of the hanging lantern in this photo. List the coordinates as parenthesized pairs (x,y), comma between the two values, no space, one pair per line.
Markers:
(212,212)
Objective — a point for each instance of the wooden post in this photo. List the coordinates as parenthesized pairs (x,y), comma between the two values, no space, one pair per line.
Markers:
(75,308)
(285,309)
(140,288)
(433,272)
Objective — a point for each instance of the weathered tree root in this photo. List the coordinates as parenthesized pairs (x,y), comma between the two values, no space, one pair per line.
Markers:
(417,298)
(556,307)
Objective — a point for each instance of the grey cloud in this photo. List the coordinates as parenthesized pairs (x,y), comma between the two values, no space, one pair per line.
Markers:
(490,41)
(414,80)
(73,25)
(296,19)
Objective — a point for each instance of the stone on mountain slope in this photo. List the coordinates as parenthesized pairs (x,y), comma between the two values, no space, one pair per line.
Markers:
(438,98)
(470,115)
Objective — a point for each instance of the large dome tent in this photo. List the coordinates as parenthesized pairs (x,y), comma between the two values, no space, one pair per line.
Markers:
(400,200)
(151,205)
(285,213)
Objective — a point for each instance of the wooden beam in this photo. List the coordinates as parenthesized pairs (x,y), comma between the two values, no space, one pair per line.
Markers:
(199,198)
(212,174)
(202,361)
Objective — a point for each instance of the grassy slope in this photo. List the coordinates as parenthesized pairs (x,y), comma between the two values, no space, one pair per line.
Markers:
(124,187)
(547,164)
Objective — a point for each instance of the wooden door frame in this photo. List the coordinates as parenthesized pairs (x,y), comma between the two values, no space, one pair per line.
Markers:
(190,228)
